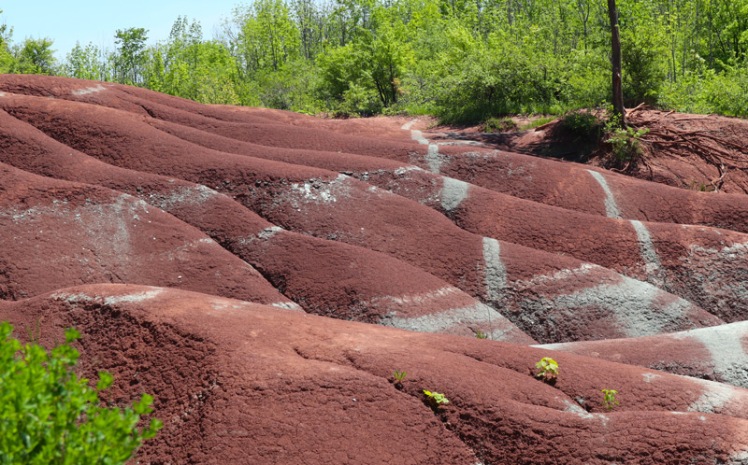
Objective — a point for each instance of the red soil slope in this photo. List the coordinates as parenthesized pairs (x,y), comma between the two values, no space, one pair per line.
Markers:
(242,383)
(372,221)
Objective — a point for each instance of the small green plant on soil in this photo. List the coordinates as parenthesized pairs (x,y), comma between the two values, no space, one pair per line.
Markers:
(537,122)
(399,376)
(547,369)
(609,398)
(48,415)
(499,125)
(480,334)
(435,399)
(701,187)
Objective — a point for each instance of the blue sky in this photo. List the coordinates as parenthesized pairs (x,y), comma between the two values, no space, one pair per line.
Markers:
(66,22)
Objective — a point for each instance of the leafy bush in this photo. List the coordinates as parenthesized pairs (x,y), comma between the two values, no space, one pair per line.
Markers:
(582,125)
(497,77)
(586,79)
(48,415)
(291,87)
(499,125)
(707,91)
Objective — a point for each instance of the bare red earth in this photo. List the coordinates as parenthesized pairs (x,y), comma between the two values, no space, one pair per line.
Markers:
(186,242)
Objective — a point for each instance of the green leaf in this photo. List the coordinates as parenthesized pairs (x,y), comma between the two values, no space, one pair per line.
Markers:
(105,381)
(49,415)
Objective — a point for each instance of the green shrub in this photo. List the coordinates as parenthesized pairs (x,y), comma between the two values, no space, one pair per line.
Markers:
(707,91)
(48,415)
(582,125)
(499,125)
(497,77)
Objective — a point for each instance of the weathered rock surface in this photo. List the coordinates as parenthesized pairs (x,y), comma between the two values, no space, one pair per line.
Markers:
(209,254)
(580,301)
(717,353)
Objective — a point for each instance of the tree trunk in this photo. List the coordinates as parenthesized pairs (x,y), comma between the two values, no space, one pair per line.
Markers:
(618,108)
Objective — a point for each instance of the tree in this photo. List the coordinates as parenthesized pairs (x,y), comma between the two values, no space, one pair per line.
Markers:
(173,67)
(85,63)
(7,60)
(310,22)
(618,108)
(267,36)
(189,67)
(130,58)
(36,56)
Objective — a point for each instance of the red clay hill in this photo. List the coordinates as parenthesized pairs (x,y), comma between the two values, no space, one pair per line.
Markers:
(264,274)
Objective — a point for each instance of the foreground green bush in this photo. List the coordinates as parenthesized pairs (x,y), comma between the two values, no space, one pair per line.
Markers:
(48,415)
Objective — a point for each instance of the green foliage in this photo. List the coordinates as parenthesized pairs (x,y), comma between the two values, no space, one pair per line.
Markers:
(498,76)
(585,79)
(85,63)
(345,85)
(190,67)
(724,92)
(499,125)
(583,125)
(35,56)
(129,58)
(480,334)
(537,122)
(625,142)
(399,376)
(547,369)
(48,415)
(464,61)
(7,60)
(291,87)
(267,36)
(645,71)
(364,75)
(435,399)
(609,398)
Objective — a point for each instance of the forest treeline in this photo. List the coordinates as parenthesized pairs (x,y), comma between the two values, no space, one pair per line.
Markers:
(462,60)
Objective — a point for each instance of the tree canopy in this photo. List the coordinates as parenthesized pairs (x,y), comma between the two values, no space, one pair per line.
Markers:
(462,60)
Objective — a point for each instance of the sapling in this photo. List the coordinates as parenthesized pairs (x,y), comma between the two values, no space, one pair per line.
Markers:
(547,369)
(399,377)
(609,398)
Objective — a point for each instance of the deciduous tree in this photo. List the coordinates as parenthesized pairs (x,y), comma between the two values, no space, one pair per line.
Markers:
(129,59)
(36,56)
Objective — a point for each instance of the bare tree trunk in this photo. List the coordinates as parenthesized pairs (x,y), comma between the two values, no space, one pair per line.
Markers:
(618,108)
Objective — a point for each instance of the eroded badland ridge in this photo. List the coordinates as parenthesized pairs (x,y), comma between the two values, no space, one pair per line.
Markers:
(264,274)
